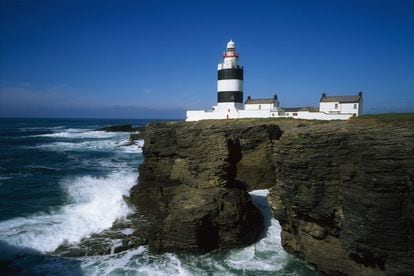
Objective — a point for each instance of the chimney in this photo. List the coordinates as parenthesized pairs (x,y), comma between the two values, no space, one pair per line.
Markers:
(360,93)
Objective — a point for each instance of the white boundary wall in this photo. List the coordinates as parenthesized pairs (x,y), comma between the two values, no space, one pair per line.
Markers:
(197,115)
(259,106)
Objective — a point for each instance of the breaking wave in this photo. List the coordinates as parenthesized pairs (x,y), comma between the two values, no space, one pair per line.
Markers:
(94,204)
(266,257)
(81,133)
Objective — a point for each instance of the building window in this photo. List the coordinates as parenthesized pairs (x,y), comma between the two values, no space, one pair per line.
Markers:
(336,106)
(228,110)
(260,107)
(295,114)
(355,106)
(273,114)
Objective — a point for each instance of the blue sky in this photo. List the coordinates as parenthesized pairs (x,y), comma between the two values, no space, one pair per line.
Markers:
(140,59)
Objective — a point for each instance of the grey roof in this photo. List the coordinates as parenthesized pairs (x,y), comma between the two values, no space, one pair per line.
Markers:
(341,99)
(260,101)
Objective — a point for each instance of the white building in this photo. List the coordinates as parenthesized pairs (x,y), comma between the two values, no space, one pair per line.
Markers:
(230,99)
(341,104)
(259,104)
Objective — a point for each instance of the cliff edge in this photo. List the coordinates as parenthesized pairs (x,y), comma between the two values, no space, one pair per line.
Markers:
(344,196)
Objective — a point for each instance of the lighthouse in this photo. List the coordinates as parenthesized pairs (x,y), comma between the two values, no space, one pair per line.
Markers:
(230,81)
(230,104)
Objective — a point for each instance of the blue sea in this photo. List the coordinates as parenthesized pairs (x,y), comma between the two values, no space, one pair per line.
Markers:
(62,181)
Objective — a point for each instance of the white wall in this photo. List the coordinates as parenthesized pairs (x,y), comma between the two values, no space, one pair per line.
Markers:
(343,108)
(320,116)
(349,108)
(267,113)
(256,106)
(226,106)
(329,107)
(196,115)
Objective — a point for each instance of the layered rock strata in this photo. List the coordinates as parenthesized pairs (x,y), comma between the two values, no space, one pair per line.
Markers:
(344,196)
(192,184)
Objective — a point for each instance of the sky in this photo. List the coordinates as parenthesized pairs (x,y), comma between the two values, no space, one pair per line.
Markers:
(156,59)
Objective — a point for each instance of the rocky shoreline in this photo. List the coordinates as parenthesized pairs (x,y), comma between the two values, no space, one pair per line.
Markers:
(343,192)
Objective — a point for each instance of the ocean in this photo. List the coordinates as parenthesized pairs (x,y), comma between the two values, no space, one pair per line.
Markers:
(61,181)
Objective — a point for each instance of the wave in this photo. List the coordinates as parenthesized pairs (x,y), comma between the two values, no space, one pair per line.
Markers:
(5,177)
(79,146)
(81,133)
(93,145)
(102,145)
(250,258)
(136,262)
(136,147)
(95,203)
(25,129)
(266,257)
(42,169)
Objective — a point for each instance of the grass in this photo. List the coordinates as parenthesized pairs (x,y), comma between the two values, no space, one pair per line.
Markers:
(388,117)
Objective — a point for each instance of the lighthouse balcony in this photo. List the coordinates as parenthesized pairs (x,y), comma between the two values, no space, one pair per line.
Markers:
(231,54)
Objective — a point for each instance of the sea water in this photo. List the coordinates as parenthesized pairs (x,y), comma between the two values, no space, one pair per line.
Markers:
(61,181)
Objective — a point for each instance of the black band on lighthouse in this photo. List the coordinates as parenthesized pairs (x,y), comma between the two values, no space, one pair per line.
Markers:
(232,73)
(230,97)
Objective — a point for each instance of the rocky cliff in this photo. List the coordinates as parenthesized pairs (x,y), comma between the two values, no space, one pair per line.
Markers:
(344,196)
(342,191)
(194,179)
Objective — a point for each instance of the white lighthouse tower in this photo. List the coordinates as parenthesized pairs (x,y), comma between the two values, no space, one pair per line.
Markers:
(229,81)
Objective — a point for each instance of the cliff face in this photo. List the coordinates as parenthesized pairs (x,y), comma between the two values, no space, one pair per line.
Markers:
(343,192)
(192,184)
(344,196)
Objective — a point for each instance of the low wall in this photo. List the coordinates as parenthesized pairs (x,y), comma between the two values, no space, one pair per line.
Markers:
(197,115)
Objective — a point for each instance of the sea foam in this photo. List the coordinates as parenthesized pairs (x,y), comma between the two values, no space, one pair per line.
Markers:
(95,203)
(81,133)
(266,257)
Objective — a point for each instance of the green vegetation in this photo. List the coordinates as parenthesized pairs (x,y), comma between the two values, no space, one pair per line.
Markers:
(388,117)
